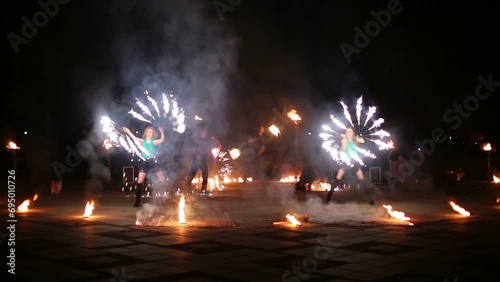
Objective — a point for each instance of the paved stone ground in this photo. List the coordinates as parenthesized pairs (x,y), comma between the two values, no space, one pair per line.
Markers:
(230,236)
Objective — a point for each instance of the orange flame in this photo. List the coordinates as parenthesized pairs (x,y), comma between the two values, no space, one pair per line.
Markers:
(397,214)
(89,207)
(35,197)
(13,146)
(182,205)
(24,206)
(235,153)
(107,144)
(487,147)
(274,130)
(289,179)
(294,116)
(496,179)
(459,209)
(293,220)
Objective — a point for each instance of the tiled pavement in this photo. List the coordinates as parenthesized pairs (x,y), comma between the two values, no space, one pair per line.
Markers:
(54,242)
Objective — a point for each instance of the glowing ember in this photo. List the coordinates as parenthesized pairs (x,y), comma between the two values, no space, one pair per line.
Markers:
(294,116)
(459,209)
(197,118)
(487,147)
(89,207)
(35,197)
(293,220)
(498,200)
(496,179)
(397,214)
(235,153)
(13,146)
(182,205)
(107,144)
(274,130)
(24,206)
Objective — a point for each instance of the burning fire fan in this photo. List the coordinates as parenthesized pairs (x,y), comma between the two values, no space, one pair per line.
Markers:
(366,128)
(170,112)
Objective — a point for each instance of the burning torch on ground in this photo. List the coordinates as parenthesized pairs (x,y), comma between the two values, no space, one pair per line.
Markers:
(89,207)
(24,206)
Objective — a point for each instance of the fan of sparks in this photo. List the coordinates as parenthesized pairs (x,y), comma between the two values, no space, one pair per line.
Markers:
(169,110)
(119,139)
(365,126)
(170,113)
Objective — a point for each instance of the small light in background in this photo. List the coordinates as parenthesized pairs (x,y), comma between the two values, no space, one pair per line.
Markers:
(419,149)
(309,133)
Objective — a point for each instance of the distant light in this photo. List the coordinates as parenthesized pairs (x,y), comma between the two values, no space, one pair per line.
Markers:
(419,149)
(137,132)
(26,132)
(450,137)
(309,133)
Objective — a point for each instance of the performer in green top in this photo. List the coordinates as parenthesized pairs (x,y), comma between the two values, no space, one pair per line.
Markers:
(150,143)
(349,141)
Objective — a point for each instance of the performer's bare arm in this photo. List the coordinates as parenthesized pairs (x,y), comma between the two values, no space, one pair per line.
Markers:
(129,133)
(162,137)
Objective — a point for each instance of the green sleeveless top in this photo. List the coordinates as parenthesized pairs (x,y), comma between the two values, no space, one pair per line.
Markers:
(351,148)
(150,147)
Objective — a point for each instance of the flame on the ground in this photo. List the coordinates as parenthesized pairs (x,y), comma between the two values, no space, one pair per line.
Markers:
(182,205)
(324,186)
(293,220)
(496,179)
(459,209)
(89,207)
(289,179)
(35,197)
(24,206)
(397,214)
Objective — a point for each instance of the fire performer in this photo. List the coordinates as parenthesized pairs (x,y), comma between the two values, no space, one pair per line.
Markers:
(348,142)
(150,143)
(200,147)
(255,162)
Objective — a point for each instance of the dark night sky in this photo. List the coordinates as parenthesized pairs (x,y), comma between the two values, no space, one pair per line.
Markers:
(272,52)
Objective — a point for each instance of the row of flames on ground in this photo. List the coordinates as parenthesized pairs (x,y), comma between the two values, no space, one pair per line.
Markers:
(90,206)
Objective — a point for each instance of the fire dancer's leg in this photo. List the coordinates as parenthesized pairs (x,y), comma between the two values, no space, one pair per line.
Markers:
(335,183)
(139,187)
(192,173)
(204,175)
(366,186)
